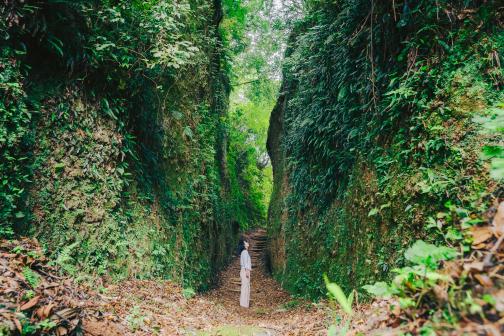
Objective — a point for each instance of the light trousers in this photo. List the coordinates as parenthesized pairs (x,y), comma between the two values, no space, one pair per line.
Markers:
(245,289)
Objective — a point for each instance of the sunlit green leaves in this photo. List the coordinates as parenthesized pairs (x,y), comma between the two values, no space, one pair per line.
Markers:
(373,212)
(188,292)
(336,293)
(380,289)
(150,37)
(497,169)
(423,273)
(15,127)
(493,124)
(428,254)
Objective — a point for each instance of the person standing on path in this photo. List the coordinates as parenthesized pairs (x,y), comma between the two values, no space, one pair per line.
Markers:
(245,268)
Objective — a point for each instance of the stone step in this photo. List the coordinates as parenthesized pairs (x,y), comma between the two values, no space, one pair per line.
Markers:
(253,265)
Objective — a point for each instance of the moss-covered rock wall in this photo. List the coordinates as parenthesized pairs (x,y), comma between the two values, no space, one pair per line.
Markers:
(373,132)
(118,159)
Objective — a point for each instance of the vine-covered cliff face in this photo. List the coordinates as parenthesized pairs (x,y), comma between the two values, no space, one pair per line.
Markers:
(373,133)
(113,137)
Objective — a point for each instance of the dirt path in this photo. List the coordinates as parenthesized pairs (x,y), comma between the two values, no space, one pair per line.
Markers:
(154,308)
(271,307)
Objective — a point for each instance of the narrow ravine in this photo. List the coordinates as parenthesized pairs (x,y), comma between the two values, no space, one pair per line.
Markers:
(359,144)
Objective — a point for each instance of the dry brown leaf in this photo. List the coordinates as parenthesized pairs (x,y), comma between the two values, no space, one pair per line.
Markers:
(451,268)
(20,276)
(474,266)
(484,280)
(30,303)
(45,311)
(499,300)
(8,255)
(40,313)
(441,293)
(48,308)
(480,234)
(498,221)
(61,331)
(18,325)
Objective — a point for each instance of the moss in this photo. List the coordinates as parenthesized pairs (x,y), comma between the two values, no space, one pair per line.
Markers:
(130,175)
(357,174)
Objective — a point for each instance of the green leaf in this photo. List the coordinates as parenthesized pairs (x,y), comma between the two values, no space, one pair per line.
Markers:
(188,292)
(407,302)
(338,294)
(59,166)
(56,44)
(384,206)
(177,115)
(497,169)
(332,331)
(188,132)
(428,254)
(351,297)
(492,152)
(454,234)
(379,289)
(489,299)
(373,212)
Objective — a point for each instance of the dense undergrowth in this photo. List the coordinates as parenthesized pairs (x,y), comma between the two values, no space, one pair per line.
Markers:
(374,132)
(117,151)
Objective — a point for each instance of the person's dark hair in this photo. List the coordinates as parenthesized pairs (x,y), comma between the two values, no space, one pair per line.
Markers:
(241,245)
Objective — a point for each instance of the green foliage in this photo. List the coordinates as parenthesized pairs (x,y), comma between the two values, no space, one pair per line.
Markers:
(493,124)
(379,289)
(376,130)
(430,255)
(291,304)
(188,292)
(113,120)
(135,319)
(336,293)
(247,177)
(155,45)
(31,277)
(29,328)
(29,294)
(15,139)
(425,258)
(254,49)
(427,287)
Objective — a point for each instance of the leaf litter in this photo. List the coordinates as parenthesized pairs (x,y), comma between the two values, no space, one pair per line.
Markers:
(37,299)
(35,295)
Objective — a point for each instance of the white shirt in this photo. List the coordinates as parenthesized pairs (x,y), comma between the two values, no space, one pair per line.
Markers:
(245,261)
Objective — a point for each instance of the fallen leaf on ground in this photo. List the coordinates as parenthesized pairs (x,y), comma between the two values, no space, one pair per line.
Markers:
(480,234)
(498,221)
(30,303)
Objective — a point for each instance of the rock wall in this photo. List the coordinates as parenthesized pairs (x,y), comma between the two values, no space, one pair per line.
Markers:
(373,133)
(125,138)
